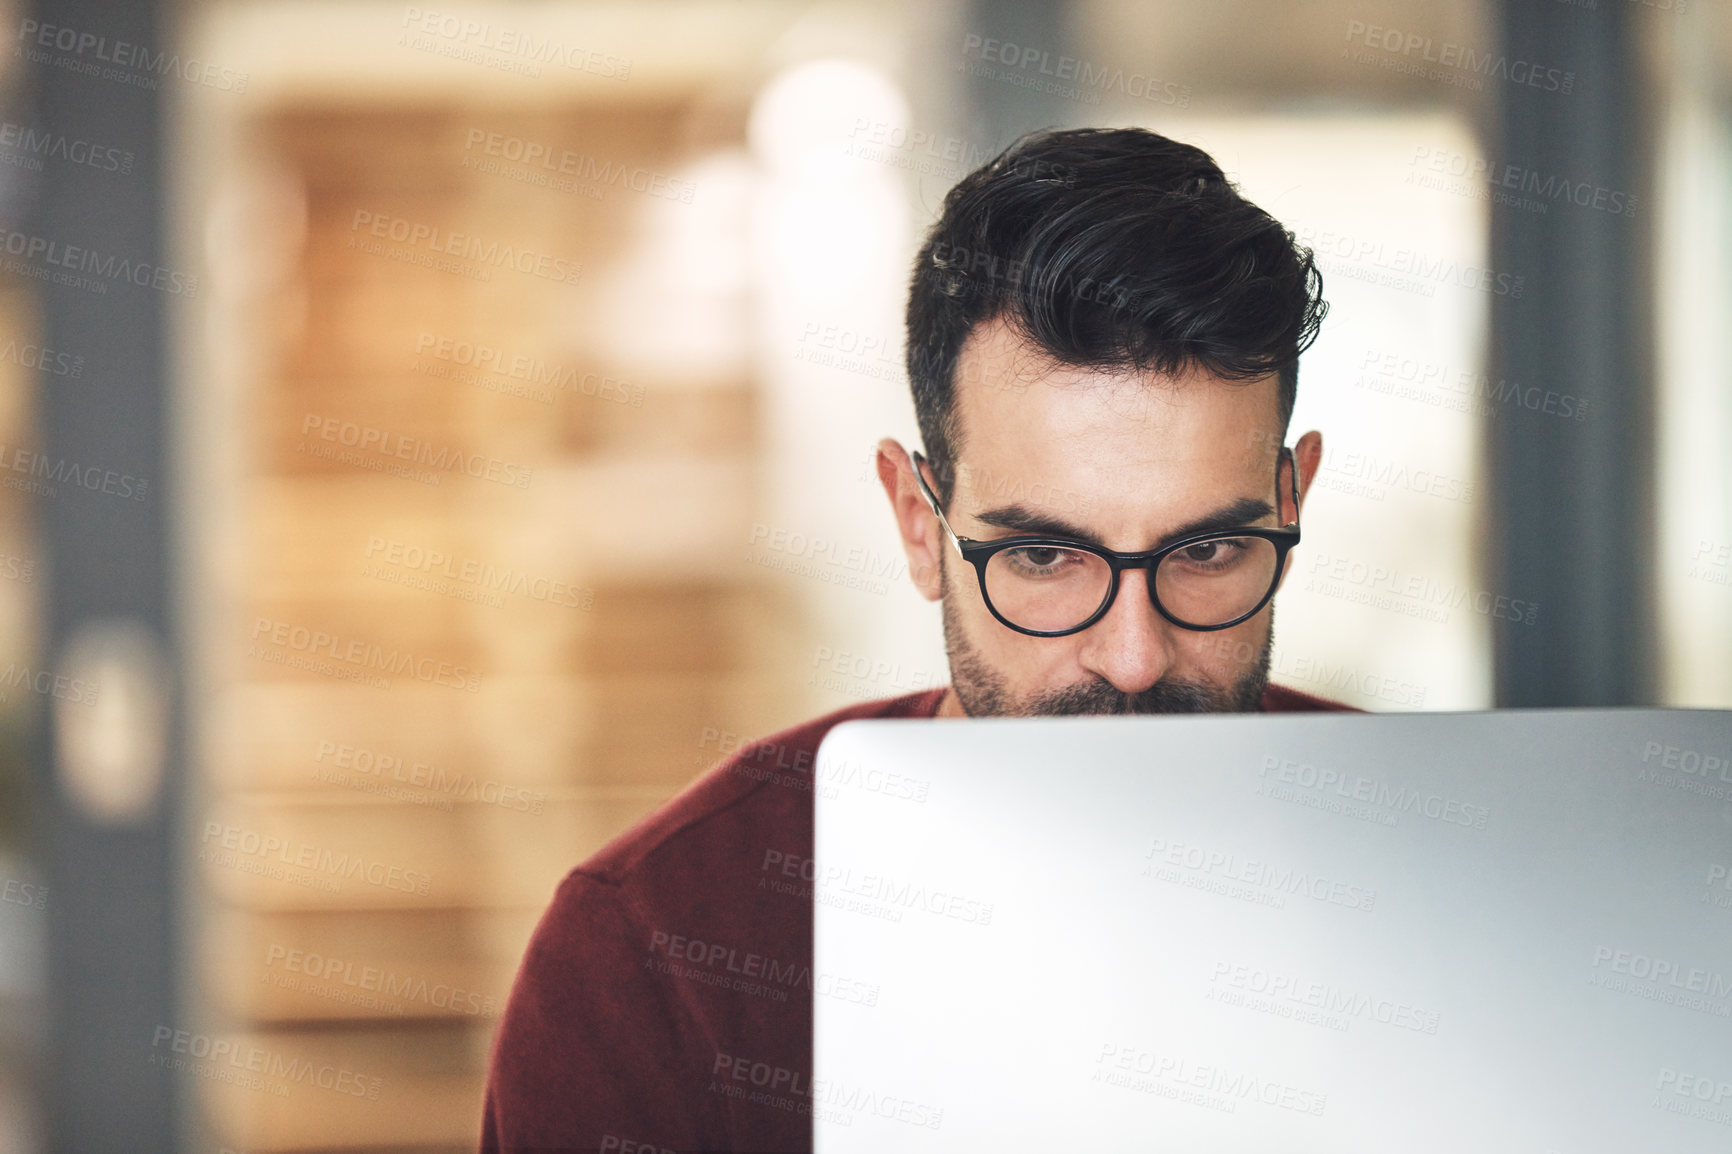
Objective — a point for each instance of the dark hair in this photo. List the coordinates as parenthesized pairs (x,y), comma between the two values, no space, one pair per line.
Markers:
(1112,248)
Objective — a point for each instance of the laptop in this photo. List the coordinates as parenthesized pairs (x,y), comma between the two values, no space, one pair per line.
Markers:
(1494,931)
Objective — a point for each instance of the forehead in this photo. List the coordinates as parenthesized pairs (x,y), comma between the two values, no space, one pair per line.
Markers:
(1162,438)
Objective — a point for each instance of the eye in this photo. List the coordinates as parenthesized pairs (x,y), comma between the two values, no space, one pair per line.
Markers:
(1040,560)
(1211,554)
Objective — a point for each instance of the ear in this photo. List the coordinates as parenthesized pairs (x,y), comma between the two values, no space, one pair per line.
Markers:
(922,536)
(1307,455)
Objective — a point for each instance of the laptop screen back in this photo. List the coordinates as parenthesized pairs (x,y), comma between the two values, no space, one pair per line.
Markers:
(1506,931)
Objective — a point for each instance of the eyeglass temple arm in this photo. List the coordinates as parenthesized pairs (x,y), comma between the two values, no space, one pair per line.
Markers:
(1292,479)
(932,499)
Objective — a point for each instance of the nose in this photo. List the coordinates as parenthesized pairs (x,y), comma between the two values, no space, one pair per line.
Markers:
(1132,646)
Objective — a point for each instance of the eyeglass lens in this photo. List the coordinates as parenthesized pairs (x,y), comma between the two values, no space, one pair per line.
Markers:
(1048,588)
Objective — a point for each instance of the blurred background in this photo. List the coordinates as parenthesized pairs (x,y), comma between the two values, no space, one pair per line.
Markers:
(431,437)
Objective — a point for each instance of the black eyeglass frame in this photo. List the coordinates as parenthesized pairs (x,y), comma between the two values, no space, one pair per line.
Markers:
(978,553)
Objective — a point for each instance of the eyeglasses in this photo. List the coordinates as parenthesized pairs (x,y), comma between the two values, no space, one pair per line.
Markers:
(1052,587)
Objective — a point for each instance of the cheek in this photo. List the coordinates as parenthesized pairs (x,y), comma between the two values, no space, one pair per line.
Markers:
(1229,653)
(1032,662)
(1023,662)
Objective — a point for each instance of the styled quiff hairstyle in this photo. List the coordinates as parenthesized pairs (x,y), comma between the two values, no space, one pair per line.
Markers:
(1107,248)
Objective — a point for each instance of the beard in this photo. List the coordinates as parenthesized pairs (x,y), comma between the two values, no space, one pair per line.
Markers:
(984,692)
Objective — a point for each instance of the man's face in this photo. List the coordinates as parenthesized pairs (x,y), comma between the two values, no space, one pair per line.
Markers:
(1124,461)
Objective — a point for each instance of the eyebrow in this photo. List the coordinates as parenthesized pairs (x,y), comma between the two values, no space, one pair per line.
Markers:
(1021,519)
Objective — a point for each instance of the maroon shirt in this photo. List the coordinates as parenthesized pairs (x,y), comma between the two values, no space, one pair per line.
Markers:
(665,1000)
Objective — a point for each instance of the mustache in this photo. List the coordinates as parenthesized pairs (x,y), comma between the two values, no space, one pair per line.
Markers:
(1098,698)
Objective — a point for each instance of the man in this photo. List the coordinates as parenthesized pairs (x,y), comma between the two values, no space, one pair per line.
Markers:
(1103,344)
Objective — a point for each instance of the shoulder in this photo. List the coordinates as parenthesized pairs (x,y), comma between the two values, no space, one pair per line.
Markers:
(767,781)
(1280,699)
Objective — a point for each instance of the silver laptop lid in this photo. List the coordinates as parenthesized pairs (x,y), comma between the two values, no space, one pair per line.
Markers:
(1506,931)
